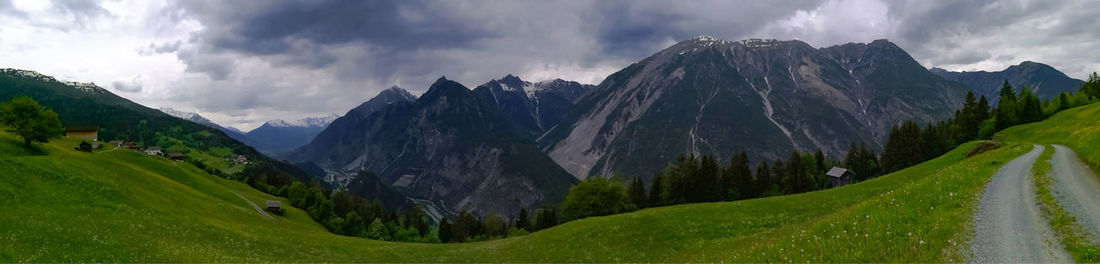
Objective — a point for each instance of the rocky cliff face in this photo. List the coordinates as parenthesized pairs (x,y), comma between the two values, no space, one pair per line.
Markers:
(1042,79)
(449,148)
(766,97)
(535,107)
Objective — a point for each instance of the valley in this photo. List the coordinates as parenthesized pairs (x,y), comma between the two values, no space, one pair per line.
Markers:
(926,207)
(549,132)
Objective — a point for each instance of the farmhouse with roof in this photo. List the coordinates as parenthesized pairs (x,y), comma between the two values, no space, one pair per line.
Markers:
(153,150)
(83,132)
(840,176)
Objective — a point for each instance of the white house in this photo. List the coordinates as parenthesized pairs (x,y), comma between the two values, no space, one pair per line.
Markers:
(153,150)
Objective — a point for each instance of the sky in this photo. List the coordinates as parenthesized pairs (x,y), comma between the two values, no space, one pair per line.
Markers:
(243,62)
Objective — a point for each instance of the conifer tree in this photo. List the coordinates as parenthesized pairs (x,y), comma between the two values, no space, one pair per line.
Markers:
(706,188)
(763,179)
(522,220)
(737,182)
(656,189)
(636,193)
(903,147)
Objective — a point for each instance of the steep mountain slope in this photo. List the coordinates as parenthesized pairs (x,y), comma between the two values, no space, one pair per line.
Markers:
(767,97)
(120,206)
(277,136)
(195,117)
(1044,80)
(346,131)
(449,147)
(534,106)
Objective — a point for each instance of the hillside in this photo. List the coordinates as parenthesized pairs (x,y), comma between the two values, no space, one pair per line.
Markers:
(80,104)
(123,206)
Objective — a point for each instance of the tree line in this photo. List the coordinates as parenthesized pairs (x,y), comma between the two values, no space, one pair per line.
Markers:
(691,179)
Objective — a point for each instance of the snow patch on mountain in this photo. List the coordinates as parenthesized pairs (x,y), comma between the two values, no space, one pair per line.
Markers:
(195,117)
(304,122)
(82,86)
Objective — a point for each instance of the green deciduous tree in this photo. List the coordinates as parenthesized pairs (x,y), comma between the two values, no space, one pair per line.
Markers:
(595,196)
(23,117)
(377,230)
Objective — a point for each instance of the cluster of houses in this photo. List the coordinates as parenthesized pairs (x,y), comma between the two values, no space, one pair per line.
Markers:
(238,160)
(149,150)
(92,133)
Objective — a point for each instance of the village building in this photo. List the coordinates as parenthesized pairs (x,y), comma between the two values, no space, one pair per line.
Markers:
(274,206)
(840,176)
(129,145)
(117,143)
(83,132)
(84,146)
(175,156)
(239,159)
(153,150)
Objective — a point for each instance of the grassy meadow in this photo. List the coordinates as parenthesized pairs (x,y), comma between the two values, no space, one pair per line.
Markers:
(122,206)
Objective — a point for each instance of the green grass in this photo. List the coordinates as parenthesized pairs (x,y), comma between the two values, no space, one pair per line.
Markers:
(1076,128)
(120,206)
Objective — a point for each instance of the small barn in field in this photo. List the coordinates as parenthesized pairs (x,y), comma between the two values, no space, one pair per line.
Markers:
(175,156)
(275,206)
(840,176)
(83,132)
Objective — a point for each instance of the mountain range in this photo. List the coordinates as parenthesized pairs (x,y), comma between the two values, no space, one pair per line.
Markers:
(449,148)
(273,137)
(1045,81)
(510,144)
(278,136)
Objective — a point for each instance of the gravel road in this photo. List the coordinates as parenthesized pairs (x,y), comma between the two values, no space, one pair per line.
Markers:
(257,207)
(1009,226)
(1076,188)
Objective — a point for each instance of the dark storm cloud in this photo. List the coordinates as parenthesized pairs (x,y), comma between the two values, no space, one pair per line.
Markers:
(399,40)
(325,56)
(966,32)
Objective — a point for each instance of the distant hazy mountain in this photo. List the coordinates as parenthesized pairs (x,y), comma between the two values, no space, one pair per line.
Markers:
(195,117)
(1044,80)
(534,106)
(278,136)
(449,147)
(767,97)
